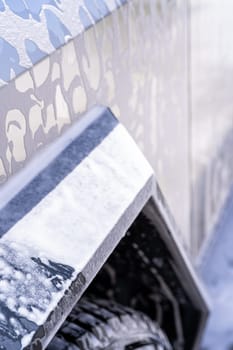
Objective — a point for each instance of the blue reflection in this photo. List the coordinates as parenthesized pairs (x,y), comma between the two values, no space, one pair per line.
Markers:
(102,7)
(35,7)
(18,7)
(57,30)
(91,7)
(33,51)
(9,60)
(2,7)
(85,19)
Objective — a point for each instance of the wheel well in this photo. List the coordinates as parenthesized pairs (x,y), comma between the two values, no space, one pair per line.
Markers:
(141,273)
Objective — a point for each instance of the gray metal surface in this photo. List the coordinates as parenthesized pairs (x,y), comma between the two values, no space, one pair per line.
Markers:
(212,113)
(66,223)
(215,268)
(64,226)
(130,57)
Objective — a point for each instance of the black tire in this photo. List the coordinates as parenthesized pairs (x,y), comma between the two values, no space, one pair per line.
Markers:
(104,325)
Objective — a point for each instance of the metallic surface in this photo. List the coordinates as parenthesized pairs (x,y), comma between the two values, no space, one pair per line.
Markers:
(133,61)
(212,113)
(44,25)
(55,247)
(94,193)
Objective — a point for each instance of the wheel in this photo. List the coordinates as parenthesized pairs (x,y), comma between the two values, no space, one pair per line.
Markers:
(104,325)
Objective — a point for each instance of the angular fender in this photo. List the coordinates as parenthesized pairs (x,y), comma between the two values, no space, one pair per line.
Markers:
(58,231)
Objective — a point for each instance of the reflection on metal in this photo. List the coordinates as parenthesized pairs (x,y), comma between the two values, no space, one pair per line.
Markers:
(59,237)
(44,26)
(51,247)
(212,113)
(133,61)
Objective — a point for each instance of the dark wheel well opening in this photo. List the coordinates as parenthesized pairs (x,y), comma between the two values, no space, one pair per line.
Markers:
(141,274)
